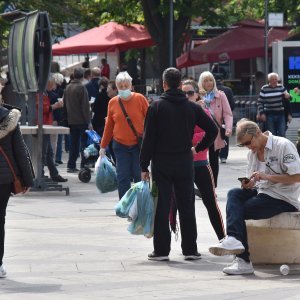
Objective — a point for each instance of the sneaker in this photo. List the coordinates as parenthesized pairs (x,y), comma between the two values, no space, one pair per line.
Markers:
(72,170)
(2,272)
(153,256)
(227,246)
(197,193)
(59,162)
(223,160)
(194,256)
(239,267)
(58,178)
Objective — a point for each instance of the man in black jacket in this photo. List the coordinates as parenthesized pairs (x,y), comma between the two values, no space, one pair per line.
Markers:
(167,141)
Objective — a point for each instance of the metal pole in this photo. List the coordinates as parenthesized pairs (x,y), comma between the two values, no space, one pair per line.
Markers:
(266,40)
(171,34)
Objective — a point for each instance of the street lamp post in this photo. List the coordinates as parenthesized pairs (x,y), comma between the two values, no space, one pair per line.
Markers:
(171,25)
(266,40)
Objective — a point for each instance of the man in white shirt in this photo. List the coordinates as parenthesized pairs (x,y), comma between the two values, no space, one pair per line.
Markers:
(273,188)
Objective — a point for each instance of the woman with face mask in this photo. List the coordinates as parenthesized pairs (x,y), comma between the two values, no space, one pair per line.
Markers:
(203,177)
(125,136)
(217,104)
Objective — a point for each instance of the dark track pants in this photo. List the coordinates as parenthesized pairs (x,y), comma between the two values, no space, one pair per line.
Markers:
(175,170)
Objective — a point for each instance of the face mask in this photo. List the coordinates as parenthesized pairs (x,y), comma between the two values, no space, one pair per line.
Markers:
(124,93)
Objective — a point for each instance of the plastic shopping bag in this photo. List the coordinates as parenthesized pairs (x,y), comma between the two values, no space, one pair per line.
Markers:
(143,223)
(106,177)
(123,206)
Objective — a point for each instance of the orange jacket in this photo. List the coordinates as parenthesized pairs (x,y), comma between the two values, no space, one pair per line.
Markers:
(116,125)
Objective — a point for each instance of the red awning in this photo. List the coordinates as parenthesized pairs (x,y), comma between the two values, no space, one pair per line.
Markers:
(105,38)
(242,42)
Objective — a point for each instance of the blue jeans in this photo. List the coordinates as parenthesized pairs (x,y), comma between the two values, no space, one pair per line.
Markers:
(78,139)
(58,155)
(128,166)
(243,204)
(276,124)
(224,151)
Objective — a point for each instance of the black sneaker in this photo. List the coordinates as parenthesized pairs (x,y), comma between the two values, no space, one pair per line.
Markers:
(194,256)
(72,170)
(58,178)
(59,162)
(153,256)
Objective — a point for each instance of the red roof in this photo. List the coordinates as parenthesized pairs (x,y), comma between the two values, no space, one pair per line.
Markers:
(105,38)
(243,42)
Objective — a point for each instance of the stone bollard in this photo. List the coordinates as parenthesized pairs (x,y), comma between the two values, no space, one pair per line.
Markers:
(275,240)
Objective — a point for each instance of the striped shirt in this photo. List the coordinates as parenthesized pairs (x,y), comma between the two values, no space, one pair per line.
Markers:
(270,99)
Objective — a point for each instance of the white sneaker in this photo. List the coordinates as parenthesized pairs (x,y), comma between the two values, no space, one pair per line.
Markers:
(239,267)
(228,246)
(2,272)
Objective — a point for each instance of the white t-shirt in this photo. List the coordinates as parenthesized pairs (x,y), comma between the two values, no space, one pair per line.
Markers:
(281,157)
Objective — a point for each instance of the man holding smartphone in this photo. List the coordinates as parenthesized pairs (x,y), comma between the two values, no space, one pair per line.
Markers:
(273,188)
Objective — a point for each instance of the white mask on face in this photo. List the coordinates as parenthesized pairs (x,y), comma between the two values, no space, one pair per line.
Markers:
(124,94)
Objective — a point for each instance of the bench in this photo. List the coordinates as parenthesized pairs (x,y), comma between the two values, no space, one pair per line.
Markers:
(275,240)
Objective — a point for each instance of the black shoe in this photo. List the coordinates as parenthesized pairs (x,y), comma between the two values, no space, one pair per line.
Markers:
(58,178)
(59,162)
(74,170)
(197,193)
(153,256)
(194,256)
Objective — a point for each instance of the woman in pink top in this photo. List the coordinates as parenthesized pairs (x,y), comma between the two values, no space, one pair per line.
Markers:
(203,176)
(217,104)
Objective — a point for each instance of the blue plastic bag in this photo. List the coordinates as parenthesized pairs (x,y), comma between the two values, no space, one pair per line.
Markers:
(143,224)
(106,177)
(93,137)
(123,206)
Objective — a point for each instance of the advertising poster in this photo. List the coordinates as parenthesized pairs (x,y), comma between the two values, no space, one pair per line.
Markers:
(291,76)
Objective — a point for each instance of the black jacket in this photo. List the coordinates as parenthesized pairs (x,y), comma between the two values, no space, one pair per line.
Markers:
(12,143)
(169,127)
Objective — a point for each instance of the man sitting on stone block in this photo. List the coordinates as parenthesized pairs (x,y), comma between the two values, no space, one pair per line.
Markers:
(272,187)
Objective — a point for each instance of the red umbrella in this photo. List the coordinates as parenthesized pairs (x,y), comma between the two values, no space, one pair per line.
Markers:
(243,42)
(105,38)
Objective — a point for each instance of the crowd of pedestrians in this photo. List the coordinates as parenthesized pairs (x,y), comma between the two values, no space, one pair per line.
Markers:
(177,141)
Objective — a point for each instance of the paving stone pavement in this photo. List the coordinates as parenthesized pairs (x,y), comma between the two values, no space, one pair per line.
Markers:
(74,247)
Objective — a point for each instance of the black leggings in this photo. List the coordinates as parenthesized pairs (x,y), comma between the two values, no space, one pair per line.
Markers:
(205,183)
(214,162)
(4,196)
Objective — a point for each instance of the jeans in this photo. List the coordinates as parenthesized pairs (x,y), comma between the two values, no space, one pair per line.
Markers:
(276,124)
(128,166)
(48,157)
(4,196)
(58,155)
(243,204)
(78,139)
(224,151)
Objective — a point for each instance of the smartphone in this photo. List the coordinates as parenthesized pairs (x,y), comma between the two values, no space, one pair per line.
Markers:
(246,179)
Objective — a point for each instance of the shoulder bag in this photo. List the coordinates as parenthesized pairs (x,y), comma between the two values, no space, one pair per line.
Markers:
(222,129)
(18,185)
(139,138)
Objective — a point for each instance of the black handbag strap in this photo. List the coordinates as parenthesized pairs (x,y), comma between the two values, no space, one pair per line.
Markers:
(217,123)
(128,119)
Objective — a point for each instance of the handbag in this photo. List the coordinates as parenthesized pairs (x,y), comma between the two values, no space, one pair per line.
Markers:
(222,129)
(139,138)
(18,185)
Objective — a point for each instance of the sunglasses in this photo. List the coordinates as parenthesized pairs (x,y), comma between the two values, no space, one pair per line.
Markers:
(189,93)
(246,143)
